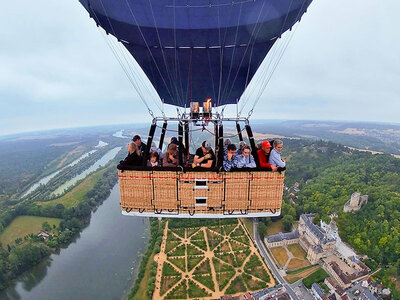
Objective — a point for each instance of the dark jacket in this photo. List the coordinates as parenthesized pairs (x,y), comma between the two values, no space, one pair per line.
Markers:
(132,160)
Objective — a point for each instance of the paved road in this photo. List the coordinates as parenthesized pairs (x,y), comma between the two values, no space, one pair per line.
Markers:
(271,265)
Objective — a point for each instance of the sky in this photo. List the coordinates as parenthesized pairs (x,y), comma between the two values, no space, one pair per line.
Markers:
(56,70)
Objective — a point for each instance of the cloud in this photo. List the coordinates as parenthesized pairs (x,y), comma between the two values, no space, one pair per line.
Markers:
(57,71)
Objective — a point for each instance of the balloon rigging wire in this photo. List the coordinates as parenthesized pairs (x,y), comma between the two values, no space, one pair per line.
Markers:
(163,56)
(253,36)
(233,50)
(221,57)
(283,50)
(274,62)
(129,76)
(148,48)
(260,78)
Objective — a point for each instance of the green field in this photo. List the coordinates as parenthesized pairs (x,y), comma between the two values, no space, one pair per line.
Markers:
(249,225)
(77,194)
(275,227)
(24,225)
(317,277)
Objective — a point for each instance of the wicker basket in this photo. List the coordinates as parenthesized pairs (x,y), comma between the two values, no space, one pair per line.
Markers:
(208,193)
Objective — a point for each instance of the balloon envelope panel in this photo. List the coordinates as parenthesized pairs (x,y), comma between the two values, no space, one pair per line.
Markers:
(195,49)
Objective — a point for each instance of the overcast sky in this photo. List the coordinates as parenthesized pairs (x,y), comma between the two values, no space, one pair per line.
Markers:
(57,71)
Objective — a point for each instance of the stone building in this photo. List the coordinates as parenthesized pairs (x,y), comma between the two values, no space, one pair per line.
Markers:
(355,202)
(314,239)
(282,239)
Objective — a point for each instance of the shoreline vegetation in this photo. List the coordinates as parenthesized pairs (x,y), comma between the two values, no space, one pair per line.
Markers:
(144,285)
(19,255)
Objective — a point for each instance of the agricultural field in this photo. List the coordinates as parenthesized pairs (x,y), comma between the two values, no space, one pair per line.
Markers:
(208,262)
(77,194)
(24,225)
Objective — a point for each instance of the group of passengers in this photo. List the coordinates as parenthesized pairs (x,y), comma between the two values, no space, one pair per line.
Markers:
(242,158)
(205,156)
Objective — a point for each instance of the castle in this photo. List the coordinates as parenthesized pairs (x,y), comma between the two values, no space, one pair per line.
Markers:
(312,238)
(355,202)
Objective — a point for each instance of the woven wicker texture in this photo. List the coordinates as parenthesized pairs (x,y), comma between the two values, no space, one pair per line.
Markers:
(136,189)
(266,190)
(212,189)
(165,190)
(170,191)
(237,190)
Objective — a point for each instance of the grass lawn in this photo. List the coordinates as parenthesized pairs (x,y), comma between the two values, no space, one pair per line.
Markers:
(275,227)
(280,255)
(249,225)
(77,194)
(297,263)
(293,278)
(318,276)
(297,251)
(141,292)
(24,225)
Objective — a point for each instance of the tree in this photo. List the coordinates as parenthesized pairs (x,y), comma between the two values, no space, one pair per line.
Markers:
(287,222)
(46,226)
(262,230)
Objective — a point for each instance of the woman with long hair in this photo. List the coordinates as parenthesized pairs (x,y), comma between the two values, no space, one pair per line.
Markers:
(134,158)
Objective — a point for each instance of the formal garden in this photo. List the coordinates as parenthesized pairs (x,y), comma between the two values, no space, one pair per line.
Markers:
(208,259)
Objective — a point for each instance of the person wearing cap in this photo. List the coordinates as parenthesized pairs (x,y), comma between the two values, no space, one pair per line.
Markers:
(204,156)
(170,158)
(275,158)
(263,156)
(230,158)
(138,141)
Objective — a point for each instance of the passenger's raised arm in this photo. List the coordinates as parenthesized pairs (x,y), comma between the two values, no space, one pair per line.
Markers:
(170,158)
(230,158)
(204,156)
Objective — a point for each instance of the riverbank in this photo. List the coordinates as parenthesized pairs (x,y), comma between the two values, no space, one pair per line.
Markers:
(100,263)
(30,249)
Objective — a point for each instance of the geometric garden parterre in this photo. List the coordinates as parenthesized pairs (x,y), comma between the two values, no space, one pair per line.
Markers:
(208,262)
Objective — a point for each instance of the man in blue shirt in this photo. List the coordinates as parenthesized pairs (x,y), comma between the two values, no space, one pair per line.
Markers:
(275,158)
(230,158)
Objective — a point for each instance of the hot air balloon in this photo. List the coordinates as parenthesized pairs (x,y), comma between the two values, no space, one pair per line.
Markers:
(199,55)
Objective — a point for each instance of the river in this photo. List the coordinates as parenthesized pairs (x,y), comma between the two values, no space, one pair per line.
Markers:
(101,162)
(46,179)
(99,264)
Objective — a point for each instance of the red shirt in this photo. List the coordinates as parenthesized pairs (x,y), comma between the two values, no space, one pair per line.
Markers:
(262,158)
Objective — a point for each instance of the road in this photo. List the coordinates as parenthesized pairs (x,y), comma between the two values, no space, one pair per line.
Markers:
(271,265)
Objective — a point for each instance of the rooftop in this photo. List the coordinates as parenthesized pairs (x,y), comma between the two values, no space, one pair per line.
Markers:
(283,236)
(316,230)
(317,289)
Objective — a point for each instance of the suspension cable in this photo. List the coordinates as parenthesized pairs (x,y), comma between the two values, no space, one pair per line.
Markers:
(277,51)
(114,51)
(148,47)
(283,50)
(253,37)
